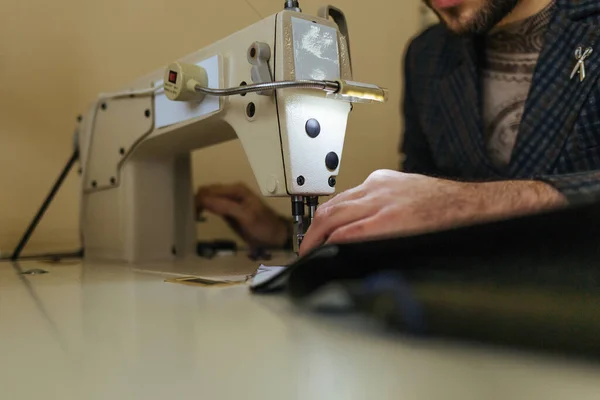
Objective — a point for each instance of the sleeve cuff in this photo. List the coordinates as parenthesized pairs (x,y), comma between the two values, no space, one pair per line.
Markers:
(576,187)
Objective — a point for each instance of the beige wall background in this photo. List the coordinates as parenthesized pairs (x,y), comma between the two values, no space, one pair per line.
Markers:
(56,56)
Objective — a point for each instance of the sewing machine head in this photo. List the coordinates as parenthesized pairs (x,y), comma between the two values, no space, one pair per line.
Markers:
(281,86)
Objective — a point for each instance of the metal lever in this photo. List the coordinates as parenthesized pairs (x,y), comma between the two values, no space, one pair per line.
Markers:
(259,55)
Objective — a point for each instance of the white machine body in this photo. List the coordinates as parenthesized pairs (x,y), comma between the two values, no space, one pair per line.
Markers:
(137,192)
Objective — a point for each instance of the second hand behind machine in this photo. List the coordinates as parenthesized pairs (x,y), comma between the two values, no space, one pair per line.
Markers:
(282,86)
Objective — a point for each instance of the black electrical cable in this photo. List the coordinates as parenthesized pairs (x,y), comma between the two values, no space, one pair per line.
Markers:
(36,219)
(55,257)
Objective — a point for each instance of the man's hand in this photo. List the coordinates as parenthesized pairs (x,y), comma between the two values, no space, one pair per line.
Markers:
(245,212)
(395,203)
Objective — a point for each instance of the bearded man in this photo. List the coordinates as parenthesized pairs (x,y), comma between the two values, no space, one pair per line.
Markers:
(501,114)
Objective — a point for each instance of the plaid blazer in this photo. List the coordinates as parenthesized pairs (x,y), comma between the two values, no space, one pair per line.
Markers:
(559,137)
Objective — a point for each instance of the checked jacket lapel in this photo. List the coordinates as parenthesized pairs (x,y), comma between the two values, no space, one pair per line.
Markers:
(460,107)
(555,99)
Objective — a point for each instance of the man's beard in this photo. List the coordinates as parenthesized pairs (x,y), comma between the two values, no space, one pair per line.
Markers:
(484,20)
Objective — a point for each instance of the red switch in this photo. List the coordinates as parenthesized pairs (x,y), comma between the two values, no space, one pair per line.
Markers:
(172,76)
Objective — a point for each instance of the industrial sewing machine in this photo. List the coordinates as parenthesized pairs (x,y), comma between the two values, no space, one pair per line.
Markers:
(282,86)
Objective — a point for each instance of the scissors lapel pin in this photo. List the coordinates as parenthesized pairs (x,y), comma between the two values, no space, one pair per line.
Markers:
(581,56)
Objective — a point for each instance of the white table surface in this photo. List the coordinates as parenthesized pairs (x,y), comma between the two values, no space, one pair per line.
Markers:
(93,331)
